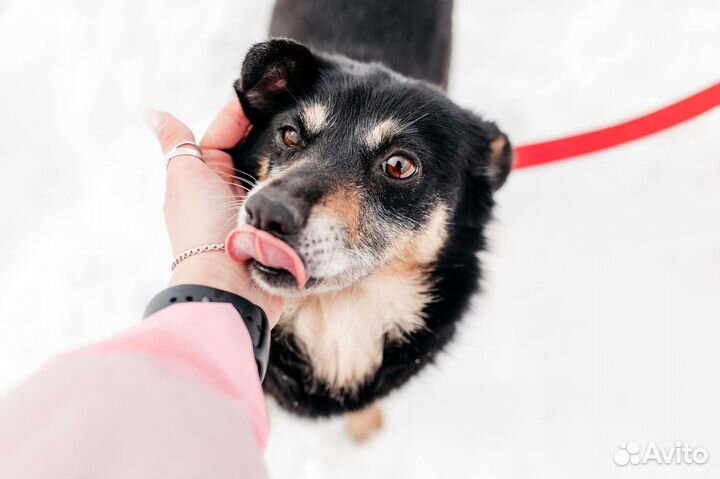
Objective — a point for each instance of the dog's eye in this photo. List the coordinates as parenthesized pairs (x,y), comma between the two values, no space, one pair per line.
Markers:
(399,167)
(291,137)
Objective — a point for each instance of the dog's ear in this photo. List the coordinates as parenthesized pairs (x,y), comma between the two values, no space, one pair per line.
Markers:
(490,159)
(273,73)
(493,158)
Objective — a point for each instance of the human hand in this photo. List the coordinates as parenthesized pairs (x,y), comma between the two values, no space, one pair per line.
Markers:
(201,203)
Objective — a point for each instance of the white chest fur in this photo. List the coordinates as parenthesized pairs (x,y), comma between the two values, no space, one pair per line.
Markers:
(343,332)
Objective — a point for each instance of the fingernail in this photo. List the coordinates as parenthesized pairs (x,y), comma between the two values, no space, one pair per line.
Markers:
(153,119)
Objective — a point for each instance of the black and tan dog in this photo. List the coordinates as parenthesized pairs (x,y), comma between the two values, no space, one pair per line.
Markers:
(373,191)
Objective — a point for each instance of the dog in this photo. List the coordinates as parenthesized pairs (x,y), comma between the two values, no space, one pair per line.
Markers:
(369,197)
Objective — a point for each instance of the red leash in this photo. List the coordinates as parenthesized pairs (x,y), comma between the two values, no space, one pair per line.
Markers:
(584,143)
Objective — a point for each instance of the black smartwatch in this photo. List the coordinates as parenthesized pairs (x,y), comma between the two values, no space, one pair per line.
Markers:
(253,316)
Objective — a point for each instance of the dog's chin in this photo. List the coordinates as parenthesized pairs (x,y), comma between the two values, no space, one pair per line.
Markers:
(281,283)
(277,282)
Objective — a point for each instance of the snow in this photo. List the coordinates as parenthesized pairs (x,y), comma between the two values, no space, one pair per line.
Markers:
(600,317)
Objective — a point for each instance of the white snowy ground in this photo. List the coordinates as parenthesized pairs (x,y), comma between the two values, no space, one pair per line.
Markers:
(601,317)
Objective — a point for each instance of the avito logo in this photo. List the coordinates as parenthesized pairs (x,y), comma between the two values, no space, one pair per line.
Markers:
(681,453)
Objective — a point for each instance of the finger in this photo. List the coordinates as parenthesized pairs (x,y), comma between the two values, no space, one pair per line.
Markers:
(169,130)
(228,129)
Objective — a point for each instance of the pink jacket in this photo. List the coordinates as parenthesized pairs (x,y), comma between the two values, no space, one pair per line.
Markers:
(177,396)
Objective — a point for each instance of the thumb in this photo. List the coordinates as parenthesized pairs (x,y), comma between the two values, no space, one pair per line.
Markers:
(169,130)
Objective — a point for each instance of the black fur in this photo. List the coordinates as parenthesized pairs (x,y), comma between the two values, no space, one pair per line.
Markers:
(270,73)
(461,167)
(411,37)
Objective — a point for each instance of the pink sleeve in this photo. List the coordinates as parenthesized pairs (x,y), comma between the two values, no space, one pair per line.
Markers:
(177,395)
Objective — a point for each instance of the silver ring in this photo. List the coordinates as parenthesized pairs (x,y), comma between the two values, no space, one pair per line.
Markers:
(178,150)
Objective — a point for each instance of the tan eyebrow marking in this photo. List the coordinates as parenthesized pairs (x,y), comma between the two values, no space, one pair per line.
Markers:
(314,117)
(381,131)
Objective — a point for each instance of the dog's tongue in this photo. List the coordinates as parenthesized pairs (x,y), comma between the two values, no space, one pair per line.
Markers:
(246,242)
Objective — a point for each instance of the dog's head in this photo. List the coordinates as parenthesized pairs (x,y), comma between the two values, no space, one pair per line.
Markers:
(358,168)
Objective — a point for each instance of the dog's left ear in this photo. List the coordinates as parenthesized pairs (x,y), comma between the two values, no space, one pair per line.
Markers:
(493,154)
(490,157)
(274,73)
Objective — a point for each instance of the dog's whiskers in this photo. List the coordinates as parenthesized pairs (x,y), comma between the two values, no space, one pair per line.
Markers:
(407,125)
(249,181)
(233,219)
(232,184)
(246,174)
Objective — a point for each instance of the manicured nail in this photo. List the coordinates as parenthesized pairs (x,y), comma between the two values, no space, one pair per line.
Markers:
(153,119)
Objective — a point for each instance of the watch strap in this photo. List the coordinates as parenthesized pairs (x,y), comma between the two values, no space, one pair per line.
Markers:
(252,315)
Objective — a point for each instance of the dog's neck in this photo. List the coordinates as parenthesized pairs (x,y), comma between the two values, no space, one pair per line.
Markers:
(343,333)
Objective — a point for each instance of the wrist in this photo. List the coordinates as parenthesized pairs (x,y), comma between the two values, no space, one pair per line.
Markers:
(216,270)
(213,269)
(255,319)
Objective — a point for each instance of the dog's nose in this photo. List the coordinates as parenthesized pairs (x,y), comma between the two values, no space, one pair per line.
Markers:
(276,213)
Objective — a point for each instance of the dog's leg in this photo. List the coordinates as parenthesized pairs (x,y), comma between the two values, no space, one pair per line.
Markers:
(363,424)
